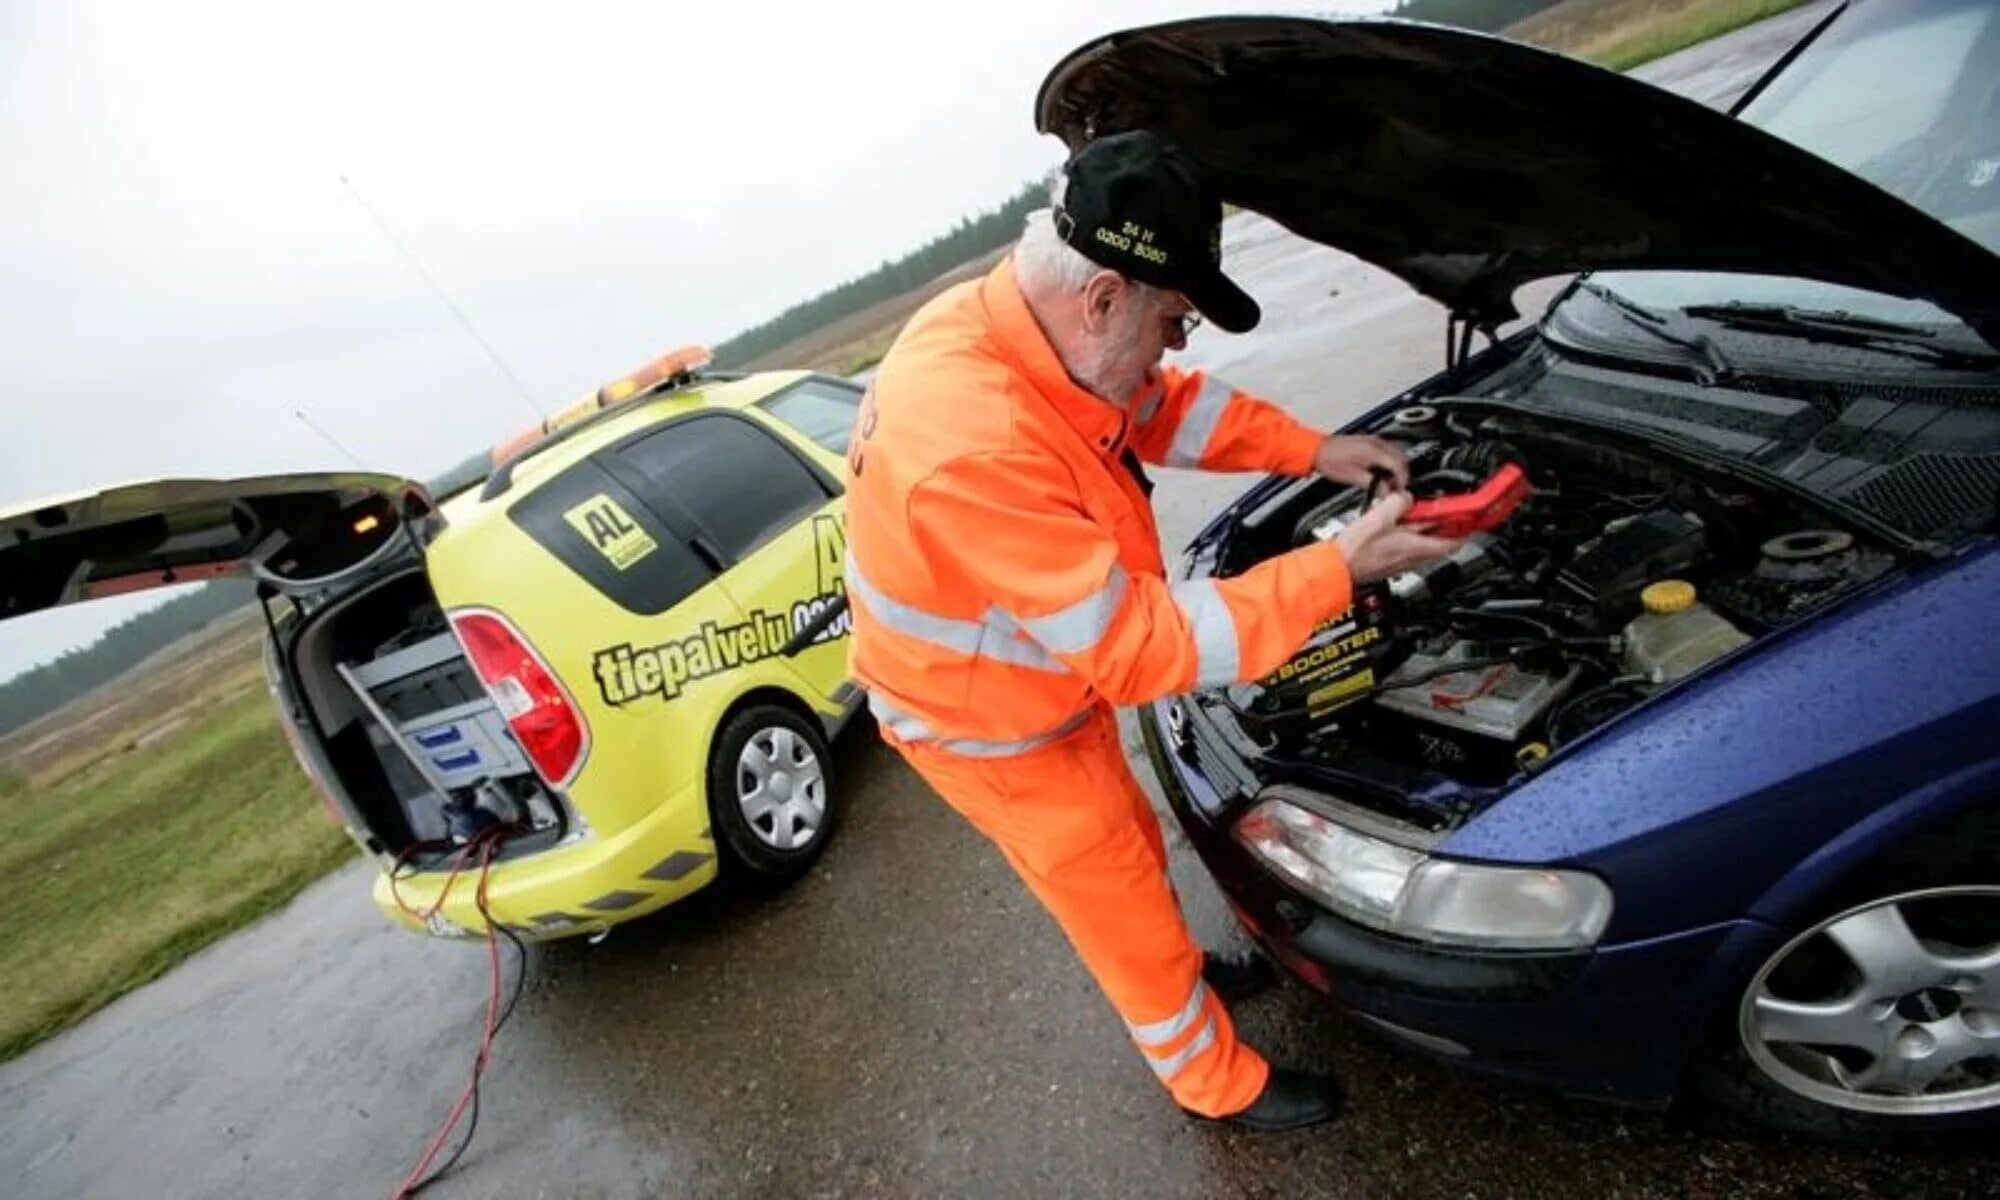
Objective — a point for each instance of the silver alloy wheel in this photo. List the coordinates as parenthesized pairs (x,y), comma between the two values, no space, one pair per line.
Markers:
(1914,1029)
(781,788)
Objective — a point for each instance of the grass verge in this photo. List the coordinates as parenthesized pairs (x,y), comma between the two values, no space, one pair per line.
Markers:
(116,876)
(1622,34)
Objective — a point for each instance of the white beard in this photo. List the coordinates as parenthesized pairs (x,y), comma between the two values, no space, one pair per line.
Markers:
(1114,368)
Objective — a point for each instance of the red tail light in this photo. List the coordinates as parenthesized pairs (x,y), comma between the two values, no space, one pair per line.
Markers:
(544,719)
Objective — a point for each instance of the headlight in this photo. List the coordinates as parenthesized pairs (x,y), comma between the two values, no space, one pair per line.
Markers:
(1403,891)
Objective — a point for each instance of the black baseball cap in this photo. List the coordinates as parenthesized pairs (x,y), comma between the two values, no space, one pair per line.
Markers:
(1137,204)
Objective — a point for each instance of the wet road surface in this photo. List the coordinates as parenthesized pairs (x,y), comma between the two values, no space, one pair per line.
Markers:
(902,1022)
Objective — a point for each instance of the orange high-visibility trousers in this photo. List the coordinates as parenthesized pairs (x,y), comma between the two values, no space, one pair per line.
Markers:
(1075,825)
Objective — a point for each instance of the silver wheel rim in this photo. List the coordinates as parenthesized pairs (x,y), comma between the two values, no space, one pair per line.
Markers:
(1911,1027)
(781,788)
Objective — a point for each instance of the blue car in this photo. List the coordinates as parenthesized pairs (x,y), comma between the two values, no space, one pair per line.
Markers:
(1681,778)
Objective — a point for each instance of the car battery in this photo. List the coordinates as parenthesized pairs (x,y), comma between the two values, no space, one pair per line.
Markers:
(1473,721)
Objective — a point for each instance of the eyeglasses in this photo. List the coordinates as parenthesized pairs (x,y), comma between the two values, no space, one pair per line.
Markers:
(1188,322)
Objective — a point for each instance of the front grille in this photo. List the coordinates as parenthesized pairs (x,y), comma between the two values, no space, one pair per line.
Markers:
(1214,768)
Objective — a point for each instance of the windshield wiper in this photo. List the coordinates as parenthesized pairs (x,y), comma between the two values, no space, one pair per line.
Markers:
(1714,366)
(1842,328)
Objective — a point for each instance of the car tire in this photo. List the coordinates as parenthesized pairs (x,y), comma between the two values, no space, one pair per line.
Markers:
(770,793)
(1943,886)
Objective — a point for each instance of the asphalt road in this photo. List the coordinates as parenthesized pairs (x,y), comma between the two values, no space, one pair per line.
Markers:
(903,1022)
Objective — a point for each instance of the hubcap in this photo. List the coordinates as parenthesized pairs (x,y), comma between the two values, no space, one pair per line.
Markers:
(781,788)
(1890,1008)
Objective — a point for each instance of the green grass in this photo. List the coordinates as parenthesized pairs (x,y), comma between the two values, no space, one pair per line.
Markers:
(1622,34)
(119,872)
(1712,21)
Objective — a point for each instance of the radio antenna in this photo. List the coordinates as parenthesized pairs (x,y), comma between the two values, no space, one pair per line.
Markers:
(444,298)
(326,437)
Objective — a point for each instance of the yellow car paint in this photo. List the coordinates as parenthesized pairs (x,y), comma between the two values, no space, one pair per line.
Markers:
(654,690)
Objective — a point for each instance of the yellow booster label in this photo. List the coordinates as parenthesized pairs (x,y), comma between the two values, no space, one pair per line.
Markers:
(1335,668)
(1326,656)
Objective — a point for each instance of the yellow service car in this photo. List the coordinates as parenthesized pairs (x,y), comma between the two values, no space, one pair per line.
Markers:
(611,662)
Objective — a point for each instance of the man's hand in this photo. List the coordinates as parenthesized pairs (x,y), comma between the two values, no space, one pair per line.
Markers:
(1376,547)
(1348,458)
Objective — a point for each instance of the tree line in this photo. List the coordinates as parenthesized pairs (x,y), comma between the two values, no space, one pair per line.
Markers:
(992,230)
(45,688)
(1486,16)
(970,238)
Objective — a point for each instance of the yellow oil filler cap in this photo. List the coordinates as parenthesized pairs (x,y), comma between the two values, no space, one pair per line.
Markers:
(1668,596)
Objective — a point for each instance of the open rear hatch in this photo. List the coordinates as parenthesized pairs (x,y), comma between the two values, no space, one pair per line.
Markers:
(383,708)
(299,533)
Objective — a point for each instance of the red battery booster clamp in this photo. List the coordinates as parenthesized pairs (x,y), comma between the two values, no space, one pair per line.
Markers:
(1476,511)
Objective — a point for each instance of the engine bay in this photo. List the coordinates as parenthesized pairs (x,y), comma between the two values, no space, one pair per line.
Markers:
(1622,572)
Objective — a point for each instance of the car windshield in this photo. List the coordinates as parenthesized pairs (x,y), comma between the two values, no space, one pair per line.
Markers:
(1904,94)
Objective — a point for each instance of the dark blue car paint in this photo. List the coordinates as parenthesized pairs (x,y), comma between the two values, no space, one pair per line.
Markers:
(1721,813)
(1617,1029)
(1772,755)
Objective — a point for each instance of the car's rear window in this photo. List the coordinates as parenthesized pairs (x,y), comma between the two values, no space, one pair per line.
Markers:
(739,484)
(821,409)
(605,533)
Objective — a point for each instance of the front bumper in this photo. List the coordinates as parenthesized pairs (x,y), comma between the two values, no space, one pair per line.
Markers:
(581,888)
(1613,1023)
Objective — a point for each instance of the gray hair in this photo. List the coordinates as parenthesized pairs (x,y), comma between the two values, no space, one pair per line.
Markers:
(1044,260)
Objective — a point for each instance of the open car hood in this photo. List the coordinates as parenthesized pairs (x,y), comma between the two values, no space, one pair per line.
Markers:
(1469,165)
(297,532)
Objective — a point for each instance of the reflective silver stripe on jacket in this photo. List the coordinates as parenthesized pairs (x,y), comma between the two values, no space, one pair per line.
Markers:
(911,728)
(1216,658)
(1199,422)
(991,637)
(1081,625)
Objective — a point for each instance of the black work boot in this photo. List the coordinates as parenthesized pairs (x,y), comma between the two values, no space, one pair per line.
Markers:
(1236,978)
(1290,1100)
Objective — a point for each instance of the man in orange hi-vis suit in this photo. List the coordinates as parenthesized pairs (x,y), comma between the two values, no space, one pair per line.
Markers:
(1008,588)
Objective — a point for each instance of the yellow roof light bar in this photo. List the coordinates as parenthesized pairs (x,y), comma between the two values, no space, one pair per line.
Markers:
(672,369)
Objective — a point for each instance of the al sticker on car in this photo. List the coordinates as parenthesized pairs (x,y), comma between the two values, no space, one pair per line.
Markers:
(611,530)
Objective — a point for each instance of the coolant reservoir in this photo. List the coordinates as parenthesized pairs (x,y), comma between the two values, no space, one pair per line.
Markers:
(1677,635)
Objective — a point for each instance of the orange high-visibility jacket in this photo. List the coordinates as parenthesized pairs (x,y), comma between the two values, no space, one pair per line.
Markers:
(1003,563)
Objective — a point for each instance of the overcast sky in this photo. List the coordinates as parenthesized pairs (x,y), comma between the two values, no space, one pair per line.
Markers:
(181,268)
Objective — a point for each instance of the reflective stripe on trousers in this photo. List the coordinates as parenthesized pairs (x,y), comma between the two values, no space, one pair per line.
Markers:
(1078,830)
(1155,1039)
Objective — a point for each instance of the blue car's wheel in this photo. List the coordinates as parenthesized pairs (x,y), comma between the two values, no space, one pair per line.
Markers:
(1880,1017)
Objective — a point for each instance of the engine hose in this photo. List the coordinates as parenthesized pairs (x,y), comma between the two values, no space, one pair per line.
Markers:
(1586,697)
